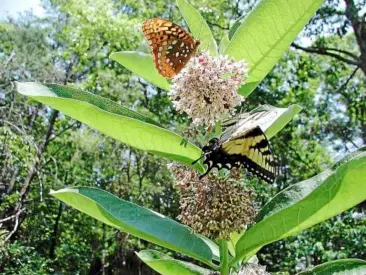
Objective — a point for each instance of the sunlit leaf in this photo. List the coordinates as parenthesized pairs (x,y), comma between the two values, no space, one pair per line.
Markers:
(198,27)
(307,203)
(235,26)
(344,266)
(166,265)
(142,65)
(278,118)
(270,119)
(135,220)
(114,120)
(223,43)
(266,33)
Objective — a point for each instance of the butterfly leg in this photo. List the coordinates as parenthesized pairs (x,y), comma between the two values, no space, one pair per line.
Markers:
(204,174)
(210,164)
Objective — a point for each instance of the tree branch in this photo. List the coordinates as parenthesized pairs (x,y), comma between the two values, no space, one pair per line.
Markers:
(324,51)
(7,63)
(31,173)
(12,216)
(359,28)
(63,131)
(355,57)
(218,25)
(344,85)
(15,228)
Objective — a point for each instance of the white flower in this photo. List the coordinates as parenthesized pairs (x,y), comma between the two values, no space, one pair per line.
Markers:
(252,269)
(206,89)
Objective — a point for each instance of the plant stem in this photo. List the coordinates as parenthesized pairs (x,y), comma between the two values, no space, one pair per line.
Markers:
(224,257)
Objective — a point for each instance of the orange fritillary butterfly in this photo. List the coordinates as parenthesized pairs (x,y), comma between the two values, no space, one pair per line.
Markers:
(171,45)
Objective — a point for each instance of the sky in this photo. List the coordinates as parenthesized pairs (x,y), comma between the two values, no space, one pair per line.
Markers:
(13,7)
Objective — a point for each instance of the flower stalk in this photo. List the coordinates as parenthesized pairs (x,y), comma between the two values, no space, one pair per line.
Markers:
(224,257)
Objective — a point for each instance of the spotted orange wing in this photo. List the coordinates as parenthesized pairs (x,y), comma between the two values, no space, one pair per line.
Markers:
(171,45)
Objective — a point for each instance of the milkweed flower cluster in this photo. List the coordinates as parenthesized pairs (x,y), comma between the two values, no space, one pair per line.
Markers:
(212,206)
(206,89)
(252,269)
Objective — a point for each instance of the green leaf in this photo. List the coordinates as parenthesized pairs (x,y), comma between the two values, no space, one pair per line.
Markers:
(223,43)
(234,237)
(213,246)
(270,119)
(198,27)
(345,266)
(166,265)
(114,120)
(307,203)
(235,26)
(266,33)
(135,220)
(279,118)
(141,64)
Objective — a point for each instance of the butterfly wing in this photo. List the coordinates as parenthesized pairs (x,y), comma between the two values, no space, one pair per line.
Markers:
(171,45)
(252,150)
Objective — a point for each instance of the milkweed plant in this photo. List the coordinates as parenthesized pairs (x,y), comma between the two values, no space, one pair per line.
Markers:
(219,226)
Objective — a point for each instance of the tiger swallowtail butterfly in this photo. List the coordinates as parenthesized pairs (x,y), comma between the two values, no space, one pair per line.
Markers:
(243,143)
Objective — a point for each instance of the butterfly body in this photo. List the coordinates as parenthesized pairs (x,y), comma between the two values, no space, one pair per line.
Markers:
(249,148)
(172,47)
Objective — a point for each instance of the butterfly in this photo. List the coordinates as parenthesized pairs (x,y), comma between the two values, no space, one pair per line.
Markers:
(243,143)
(171,45)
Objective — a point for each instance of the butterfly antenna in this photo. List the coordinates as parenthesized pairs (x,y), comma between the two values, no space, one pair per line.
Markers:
(197,160)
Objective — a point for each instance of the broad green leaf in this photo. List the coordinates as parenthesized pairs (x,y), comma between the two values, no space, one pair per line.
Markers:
(270,119)
(166,265)
(277,118)
(223,43)
(234,237)
(141,64)
(198,27)
(135,220)
(235,26)
(345,266)
(114,120)
(266,33)
(307,203)
(213,246)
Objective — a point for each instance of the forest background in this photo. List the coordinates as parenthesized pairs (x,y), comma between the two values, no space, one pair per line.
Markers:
(41,149)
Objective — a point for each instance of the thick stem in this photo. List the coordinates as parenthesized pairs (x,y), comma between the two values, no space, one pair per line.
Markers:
(224,258)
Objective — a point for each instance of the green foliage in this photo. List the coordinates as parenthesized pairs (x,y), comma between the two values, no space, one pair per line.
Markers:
(24,260)
(278,118)
(260,42)
(198,27)
(351,266)
(292,210)
(142,65)
(136,220)
(114,120)
(72,43)
(307,203)
(166,265)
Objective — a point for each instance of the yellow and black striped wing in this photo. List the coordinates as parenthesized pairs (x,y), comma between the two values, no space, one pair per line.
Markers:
(252,150)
